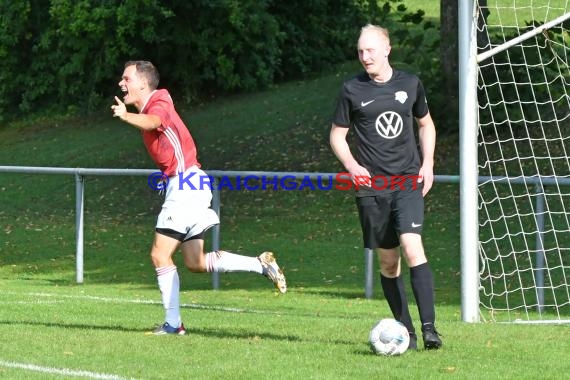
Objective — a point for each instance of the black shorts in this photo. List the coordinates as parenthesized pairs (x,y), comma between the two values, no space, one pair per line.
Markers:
(385,217)
(181,237)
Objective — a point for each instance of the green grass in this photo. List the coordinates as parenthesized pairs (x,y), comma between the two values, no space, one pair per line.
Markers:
(508,12)
(502,11)
(318,330)
(430,7)
(249,334)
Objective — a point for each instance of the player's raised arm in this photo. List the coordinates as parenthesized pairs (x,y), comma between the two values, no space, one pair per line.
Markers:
(145,122)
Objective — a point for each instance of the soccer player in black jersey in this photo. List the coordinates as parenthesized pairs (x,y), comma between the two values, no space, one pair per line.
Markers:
(389,174)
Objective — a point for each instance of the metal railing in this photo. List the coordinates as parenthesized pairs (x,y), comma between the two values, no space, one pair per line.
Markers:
(80,173)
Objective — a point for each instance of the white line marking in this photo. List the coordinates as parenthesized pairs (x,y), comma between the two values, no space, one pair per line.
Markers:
(35,302)
(60,371)
(182,305)
(151,302)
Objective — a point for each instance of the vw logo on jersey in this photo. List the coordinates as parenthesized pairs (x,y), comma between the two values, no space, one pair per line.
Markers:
(389,125)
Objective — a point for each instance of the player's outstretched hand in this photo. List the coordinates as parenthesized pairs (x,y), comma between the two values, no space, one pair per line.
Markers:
(119,109)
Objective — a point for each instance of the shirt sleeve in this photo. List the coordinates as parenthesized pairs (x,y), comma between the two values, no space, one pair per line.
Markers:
(160,109)
(343,109)
(420,105)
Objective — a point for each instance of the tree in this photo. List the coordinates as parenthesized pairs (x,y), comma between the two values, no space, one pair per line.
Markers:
(449,54)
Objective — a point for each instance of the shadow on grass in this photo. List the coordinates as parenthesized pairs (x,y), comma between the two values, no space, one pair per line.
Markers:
(356,294)
(205,332)
(225,334)
(214,333)
(78,326)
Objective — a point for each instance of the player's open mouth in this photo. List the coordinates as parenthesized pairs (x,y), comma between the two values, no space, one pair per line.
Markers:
(125,92)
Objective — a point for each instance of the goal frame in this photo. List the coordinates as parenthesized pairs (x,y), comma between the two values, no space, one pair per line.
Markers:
(468,158)
(468,65)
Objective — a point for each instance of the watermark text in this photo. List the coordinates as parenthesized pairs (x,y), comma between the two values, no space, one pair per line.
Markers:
(340,181)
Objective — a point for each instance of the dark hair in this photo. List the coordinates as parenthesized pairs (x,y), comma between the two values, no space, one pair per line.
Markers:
(147,70)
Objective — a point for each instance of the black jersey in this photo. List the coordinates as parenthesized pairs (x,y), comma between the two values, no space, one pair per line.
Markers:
(382,115)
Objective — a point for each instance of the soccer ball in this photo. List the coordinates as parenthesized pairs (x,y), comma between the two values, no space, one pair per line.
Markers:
(389,337)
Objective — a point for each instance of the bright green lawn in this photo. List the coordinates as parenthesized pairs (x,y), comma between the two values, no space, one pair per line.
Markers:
(318,330)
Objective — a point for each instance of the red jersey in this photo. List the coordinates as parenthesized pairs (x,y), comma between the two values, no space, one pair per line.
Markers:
(170,145)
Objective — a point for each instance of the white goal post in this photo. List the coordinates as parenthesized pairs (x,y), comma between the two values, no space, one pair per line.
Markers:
(514,100)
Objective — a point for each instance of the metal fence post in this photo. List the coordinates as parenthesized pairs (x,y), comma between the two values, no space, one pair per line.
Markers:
(216,230)
(79,197)
(368,272)
(539,271)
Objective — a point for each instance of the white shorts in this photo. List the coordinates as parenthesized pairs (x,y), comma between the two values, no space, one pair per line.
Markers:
(186,208)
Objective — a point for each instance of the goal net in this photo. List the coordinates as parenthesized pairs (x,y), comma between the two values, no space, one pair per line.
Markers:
(523,51)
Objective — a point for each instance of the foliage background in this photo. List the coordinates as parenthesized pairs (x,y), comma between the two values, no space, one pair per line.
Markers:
(66,56)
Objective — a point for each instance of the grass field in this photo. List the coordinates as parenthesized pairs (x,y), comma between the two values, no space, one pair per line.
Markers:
(53,328)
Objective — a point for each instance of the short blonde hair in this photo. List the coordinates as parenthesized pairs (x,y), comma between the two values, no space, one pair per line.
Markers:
(375,28)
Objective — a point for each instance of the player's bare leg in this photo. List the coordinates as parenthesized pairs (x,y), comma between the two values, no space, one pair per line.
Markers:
(223,261)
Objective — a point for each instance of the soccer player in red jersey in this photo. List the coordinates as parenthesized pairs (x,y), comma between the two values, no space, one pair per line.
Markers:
(186,214)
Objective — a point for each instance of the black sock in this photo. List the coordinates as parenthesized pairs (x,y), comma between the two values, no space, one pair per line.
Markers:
(395,294)
(422,286)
